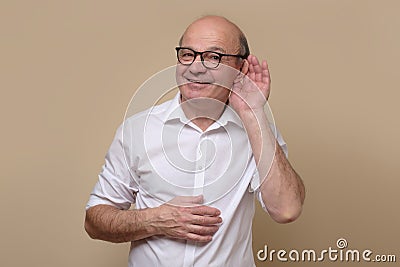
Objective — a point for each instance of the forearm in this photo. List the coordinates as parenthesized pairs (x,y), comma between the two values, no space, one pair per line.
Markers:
(108,223)
(261,138)
(189,221)
(282,189)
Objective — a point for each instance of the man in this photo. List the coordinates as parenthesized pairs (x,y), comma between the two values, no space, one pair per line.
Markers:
(194,194)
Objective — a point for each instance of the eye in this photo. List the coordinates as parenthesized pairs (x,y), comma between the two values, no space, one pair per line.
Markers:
(212,57)
(187,54)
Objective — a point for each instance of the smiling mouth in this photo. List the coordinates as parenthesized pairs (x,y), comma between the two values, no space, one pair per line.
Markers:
(198,82)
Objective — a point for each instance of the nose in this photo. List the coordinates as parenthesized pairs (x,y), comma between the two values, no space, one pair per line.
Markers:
(197,65)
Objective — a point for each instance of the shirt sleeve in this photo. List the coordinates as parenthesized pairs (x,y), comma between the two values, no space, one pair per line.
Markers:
(115,185)
(255,182)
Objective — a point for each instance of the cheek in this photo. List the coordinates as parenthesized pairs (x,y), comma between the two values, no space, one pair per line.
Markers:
(225,81)
(180,70)
(226,76)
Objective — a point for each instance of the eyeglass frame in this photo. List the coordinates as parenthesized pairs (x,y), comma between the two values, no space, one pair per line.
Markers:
(201,56)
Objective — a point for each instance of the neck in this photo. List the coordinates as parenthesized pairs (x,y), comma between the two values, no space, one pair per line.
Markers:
(203,111)
(203,123)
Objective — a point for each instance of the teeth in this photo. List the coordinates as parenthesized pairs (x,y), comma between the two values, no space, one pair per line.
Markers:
(198,82)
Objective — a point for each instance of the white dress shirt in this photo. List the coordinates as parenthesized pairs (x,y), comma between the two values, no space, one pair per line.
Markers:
(158,154)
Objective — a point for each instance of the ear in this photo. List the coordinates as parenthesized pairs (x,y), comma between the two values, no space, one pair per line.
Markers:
(242,71)
(245,66)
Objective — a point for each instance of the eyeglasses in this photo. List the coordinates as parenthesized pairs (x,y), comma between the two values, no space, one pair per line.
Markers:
(210,59)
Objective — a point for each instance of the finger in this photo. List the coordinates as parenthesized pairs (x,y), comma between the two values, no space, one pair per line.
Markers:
(205,220)
(198,199)
(186,201)
(198,238)
(205,210)
(203,230)
(192,199)
(251,72)
(257,70)
(266,78)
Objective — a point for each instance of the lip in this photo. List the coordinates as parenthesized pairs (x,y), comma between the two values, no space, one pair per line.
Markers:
(197,81)
(197,84)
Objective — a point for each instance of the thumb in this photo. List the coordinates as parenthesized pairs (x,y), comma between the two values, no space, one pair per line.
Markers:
(187,200)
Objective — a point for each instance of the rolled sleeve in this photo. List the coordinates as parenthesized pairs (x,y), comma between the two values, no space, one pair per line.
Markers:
(115,185)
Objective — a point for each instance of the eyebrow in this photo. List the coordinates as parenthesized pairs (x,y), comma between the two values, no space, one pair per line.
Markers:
(216,49)
(211,48)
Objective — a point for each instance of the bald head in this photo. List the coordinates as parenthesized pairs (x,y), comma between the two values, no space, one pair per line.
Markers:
(221,28)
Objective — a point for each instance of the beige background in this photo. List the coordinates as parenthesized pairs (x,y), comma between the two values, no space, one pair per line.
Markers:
(69,68)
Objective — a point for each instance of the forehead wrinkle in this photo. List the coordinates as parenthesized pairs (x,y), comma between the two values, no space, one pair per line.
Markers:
(216,49)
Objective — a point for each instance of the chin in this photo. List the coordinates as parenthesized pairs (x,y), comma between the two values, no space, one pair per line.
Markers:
(191,91)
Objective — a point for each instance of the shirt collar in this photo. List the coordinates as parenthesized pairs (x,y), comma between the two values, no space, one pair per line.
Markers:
(175,112)
(230,115)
